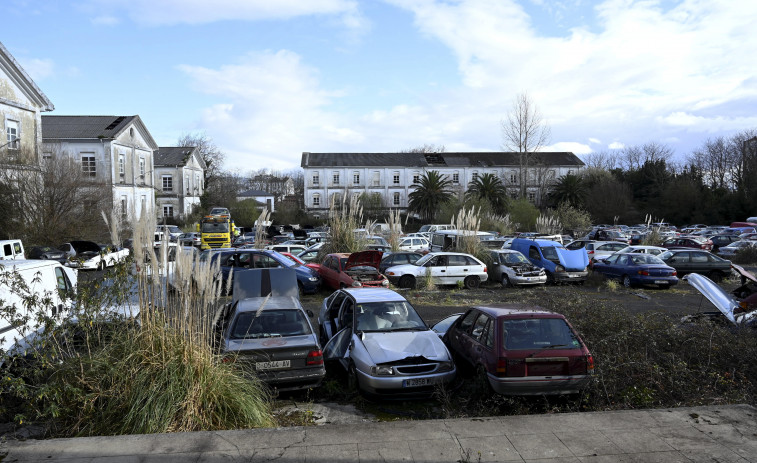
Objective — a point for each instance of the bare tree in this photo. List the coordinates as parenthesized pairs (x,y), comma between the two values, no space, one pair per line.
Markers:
(209,152)
(524,131)
(603,160)
(426,149)
(634,157)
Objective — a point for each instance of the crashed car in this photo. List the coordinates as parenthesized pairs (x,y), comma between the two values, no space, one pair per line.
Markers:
(387,350)
(87,255)
(731,312)
(354,270)
(266,332)
(511,268)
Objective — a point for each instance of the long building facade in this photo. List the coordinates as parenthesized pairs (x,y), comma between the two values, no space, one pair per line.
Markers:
(393,176)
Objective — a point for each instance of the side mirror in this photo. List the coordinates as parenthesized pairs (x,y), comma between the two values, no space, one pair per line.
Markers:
(310,313)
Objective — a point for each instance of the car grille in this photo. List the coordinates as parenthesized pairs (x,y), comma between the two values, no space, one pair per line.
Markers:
(416,369)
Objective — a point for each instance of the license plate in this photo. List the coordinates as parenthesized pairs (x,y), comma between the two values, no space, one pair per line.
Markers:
(416,382)
(570,275)
(272,365)
(660,282)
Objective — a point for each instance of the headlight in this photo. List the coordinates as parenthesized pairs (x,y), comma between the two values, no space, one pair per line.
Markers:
(383,370)
(313,278)
(559,268)
(356,284)
(586,269)
(385,283)
(446,366)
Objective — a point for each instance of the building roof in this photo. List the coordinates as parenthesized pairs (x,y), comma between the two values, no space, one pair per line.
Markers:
(90,127)
(173,156)
(439,160)
(22,79)
(253,193)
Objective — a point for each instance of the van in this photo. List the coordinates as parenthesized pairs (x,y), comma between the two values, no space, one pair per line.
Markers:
(22,281)
(11,250)
(433,228)
(562,265)
(447,240)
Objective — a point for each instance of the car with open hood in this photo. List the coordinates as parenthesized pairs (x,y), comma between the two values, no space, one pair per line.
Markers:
(266,332)
(511,268)
(387,350)
(520,350)
(87,255)
(562,265)
(734,313)
(342,270)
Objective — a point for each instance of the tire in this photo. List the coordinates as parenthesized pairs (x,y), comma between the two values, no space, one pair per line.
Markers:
(627,281)
(472,282)
(715,276)
(407,281)
(506,283)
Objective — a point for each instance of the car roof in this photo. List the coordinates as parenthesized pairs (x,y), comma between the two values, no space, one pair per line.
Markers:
(253,304)
(364,295)
(518,311)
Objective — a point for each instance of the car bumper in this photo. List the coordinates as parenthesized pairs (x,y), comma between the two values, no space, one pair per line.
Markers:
(394,279)
(539,385)
(522,281)
(564,277)
(652,280)
(397,386)
(310,287)
(292,380)
(87,265)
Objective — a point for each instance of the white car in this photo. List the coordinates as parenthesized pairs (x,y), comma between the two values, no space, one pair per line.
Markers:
(414,244)
(444,268)
(87,255)
(605,249)
(733,248)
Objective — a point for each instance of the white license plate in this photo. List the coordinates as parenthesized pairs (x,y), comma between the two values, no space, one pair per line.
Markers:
(660,282)
(272,365)
(570,275)
(416,382)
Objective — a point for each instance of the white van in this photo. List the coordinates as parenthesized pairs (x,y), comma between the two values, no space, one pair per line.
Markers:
(435,228)
(447,240)
(25,280)
(11,250)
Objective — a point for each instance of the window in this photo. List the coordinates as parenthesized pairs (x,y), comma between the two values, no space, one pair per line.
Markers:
(416,178)
(88,166)
(198,187)
(376,178)
(570,171)
(142,169)
(356,178)
(531,196)
(186,184)
(124,206)
(167,211)
(144,204)
(316,200)
(336,199)
(456,178)
(475,176)
(335,178)
(396,200)
(167,183)
(316,179)
(121,165)
(513,177)
(396,178)
(11,134)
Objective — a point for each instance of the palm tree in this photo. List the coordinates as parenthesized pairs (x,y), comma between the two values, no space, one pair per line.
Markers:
(432,191)
(569,189)
(490,188)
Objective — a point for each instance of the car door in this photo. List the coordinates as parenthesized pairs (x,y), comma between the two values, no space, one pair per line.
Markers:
(700,263)
(607,267)
(681,262)
(457,268)
(437,266)
(457,337)
(332,314)
(477,340)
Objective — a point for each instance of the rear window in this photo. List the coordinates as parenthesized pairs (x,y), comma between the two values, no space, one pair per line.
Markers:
(538,333)
(270,323)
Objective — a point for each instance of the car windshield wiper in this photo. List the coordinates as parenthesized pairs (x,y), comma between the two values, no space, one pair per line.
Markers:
(553,346)
(408,328)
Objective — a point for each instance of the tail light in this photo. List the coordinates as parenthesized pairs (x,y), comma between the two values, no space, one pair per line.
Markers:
(485,270)
(501,367)
(229,359)
(675,273)
(315,357)
(643,272)
(589,364)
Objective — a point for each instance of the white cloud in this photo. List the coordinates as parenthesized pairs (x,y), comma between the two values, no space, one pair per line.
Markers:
(594,141)
(616,145)
(572,146)
(38,69)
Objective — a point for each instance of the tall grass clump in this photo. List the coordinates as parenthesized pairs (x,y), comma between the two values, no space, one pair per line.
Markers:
(468,224)
(395,229)
(345,218)
(500,223)
(548,225)
(136,357)
(261,229)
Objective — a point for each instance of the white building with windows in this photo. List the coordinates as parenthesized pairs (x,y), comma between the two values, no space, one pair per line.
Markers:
(117,150)
(179,173)
(329,176)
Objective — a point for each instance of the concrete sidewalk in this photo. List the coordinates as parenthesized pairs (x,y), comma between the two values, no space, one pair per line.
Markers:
(714,433)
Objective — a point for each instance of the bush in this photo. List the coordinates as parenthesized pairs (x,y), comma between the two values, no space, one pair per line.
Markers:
(746,256)
(523,214)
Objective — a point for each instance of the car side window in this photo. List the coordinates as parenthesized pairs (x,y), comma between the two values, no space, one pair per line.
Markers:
(680,258)
(470,261)
(457,261)
(622,260)
(489,333)
(478,327)
(533,253)
(345,315)
(698,257)
(611,259)
(467,321)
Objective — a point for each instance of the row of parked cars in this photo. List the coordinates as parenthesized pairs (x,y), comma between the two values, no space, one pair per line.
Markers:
(377,339)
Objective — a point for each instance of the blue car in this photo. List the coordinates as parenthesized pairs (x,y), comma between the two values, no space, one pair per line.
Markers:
(308,280)
(638,269)
(562,265)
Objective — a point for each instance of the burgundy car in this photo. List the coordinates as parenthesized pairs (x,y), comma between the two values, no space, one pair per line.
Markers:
(688,242)
(520,350)
(341,270)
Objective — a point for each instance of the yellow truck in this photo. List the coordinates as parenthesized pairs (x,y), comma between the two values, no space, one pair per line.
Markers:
(216,231)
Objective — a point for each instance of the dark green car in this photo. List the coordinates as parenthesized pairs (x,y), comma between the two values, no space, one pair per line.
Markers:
(693,261)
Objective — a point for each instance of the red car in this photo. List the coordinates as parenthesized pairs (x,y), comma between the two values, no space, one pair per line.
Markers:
(354,270)
(688,242)
(520,350)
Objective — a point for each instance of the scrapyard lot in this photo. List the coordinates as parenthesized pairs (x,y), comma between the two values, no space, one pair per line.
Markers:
(645,357)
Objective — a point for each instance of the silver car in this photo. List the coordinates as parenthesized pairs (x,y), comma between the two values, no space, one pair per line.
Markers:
(511,268)
(386,348)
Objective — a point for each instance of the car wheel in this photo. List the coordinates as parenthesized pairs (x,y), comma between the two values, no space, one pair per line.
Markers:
(472,282)
(715,276)
(627,281)
(407,281)
(506,281)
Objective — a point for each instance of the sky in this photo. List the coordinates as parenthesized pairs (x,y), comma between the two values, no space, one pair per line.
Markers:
(267,80)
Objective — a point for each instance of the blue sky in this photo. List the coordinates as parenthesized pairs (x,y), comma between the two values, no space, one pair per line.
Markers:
(267,80)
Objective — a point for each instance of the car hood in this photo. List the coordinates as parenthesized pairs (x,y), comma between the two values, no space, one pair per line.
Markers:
(385,347)
(573,260)
(715,294)
(364,258)
(742,272)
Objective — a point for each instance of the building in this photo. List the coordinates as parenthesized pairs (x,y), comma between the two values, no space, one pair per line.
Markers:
(280,187)
(21,106)
(329,176)
(117,150)
(263,198)
(179,173)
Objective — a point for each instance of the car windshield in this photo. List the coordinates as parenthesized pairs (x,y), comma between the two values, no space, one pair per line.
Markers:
(538,333)
(388,316)
(269,323)
(550,253)
(666,255)
(215,227)
(644,259)
(378,240)
(511,258)
(423,259)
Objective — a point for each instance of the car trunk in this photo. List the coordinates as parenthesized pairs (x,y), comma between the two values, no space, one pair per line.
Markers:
(267,356)
(565,362)
(660,271)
